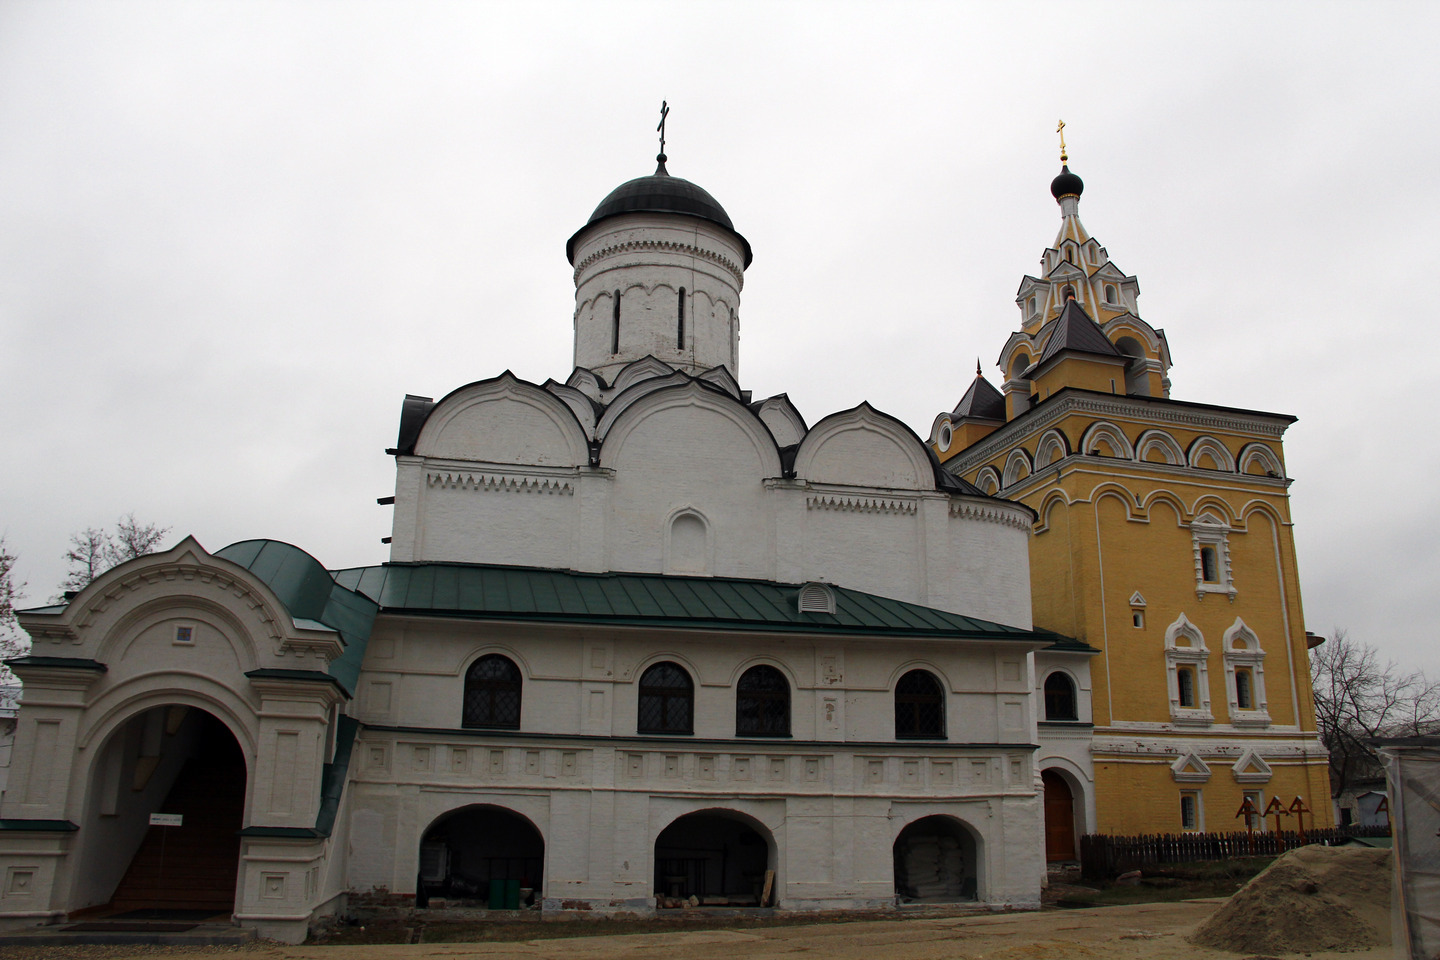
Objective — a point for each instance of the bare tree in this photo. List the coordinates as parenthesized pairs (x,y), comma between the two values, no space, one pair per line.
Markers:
(133,539)
(12,641)
(1359,697)
(87,557)
(93,551)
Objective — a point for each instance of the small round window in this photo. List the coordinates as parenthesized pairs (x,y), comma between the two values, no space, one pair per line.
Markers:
(945,437)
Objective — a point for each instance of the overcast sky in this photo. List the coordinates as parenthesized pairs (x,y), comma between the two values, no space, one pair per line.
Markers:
(234,235)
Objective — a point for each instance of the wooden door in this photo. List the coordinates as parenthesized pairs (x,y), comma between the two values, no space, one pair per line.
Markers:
(1059,818)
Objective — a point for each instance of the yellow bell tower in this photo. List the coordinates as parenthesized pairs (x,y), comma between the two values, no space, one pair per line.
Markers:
(1163,540)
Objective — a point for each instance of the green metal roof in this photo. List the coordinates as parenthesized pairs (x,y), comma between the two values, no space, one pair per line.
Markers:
(312,598)
(654,600)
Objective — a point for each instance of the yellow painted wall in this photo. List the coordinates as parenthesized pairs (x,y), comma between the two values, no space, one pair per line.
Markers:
(1109,528)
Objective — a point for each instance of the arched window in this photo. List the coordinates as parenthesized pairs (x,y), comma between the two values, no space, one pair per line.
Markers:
(667,700)
(680,321)
(919,707)
(1110,295)
(1060,698)
(762,703)
(1243,697)
(492,694)
(615,332)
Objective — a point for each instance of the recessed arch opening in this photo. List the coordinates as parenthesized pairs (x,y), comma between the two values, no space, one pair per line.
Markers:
(936,861)
(484,853)
(718,857)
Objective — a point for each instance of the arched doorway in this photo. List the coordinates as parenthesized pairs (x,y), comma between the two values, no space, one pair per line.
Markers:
(182,764)
(1059,818)
(484,853)
(935,862)
(718,857)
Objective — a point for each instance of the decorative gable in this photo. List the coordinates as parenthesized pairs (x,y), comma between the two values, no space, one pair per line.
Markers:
(1251,768)
(1189,768)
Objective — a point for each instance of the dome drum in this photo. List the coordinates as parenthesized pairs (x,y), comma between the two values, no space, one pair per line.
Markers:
(658,282)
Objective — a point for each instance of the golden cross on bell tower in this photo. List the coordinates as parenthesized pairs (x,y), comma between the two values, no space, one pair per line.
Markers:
(1060,129)
(664,112)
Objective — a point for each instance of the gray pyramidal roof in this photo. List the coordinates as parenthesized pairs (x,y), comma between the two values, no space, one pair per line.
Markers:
(981,402)
(1075,331)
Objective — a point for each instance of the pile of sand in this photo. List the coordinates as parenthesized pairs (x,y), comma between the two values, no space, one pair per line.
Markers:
(1311,899)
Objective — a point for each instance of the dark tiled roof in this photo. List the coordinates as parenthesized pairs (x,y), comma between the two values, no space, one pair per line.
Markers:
(981,401)
(654,600)
(1075,331)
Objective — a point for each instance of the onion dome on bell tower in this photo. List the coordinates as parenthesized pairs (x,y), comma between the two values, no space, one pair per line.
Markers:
(658,272)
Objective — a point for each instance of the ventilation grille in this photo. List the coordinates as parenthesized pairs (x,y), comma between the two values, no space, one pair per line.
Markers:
(817,598)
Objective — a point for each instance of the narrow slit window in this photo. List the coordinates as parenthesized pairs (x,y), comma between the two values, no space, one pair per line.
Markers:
(615,331)
(680,322)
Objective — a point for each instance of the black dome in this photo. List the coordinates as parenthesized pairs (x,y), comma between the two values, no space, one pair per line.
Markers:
(659,193)
(1065,184)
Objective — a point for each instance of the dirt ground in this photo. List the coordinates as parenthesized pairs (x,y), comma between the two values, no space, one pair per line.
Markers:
(1152,931)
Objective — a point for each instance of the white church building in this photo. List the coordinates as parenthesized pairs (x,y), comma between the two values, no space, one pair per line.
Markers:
(643,639)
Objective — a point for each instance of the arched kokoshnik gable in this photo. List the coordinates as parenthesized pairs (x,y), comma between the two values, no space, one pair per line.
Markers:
(500,420)
(864,447)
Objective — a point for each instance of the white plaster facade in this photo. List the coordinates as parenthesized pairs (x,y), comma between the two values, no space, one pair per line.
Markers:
(650,459)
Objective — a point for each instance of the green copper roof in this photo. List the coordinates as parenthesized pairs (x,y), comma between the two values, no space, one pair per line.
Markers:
(310,594)
(641,599)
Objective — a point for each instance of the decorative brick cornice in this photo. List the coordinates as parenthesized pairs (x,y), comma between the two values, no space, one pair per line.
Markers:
(663,246)
(990,513)
(825,501)
(499,483)
(1041,418)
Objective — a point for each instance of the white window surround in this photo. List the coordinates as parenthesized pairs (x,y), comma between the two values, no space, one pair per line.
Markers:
(1196,812)
(1208,530)
(1185,646)
(1241,652)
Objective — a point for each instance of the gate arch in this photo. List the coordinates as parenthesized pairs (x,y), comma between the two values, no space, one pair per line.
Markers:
(173,758)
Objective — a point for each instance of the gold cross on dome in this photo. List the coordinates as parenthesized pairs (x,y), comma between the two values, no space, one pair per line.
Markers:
(664,112)
(1060,129)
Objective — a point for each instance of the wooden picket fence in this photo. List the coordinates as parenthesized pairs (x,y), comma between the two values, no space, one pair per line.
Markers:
(1104,857)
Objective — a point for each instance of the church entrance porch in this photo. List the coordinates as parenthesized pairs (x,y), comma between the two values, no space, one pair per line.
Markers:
(166,805)
(718,858)
(935,862)
(486,854)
